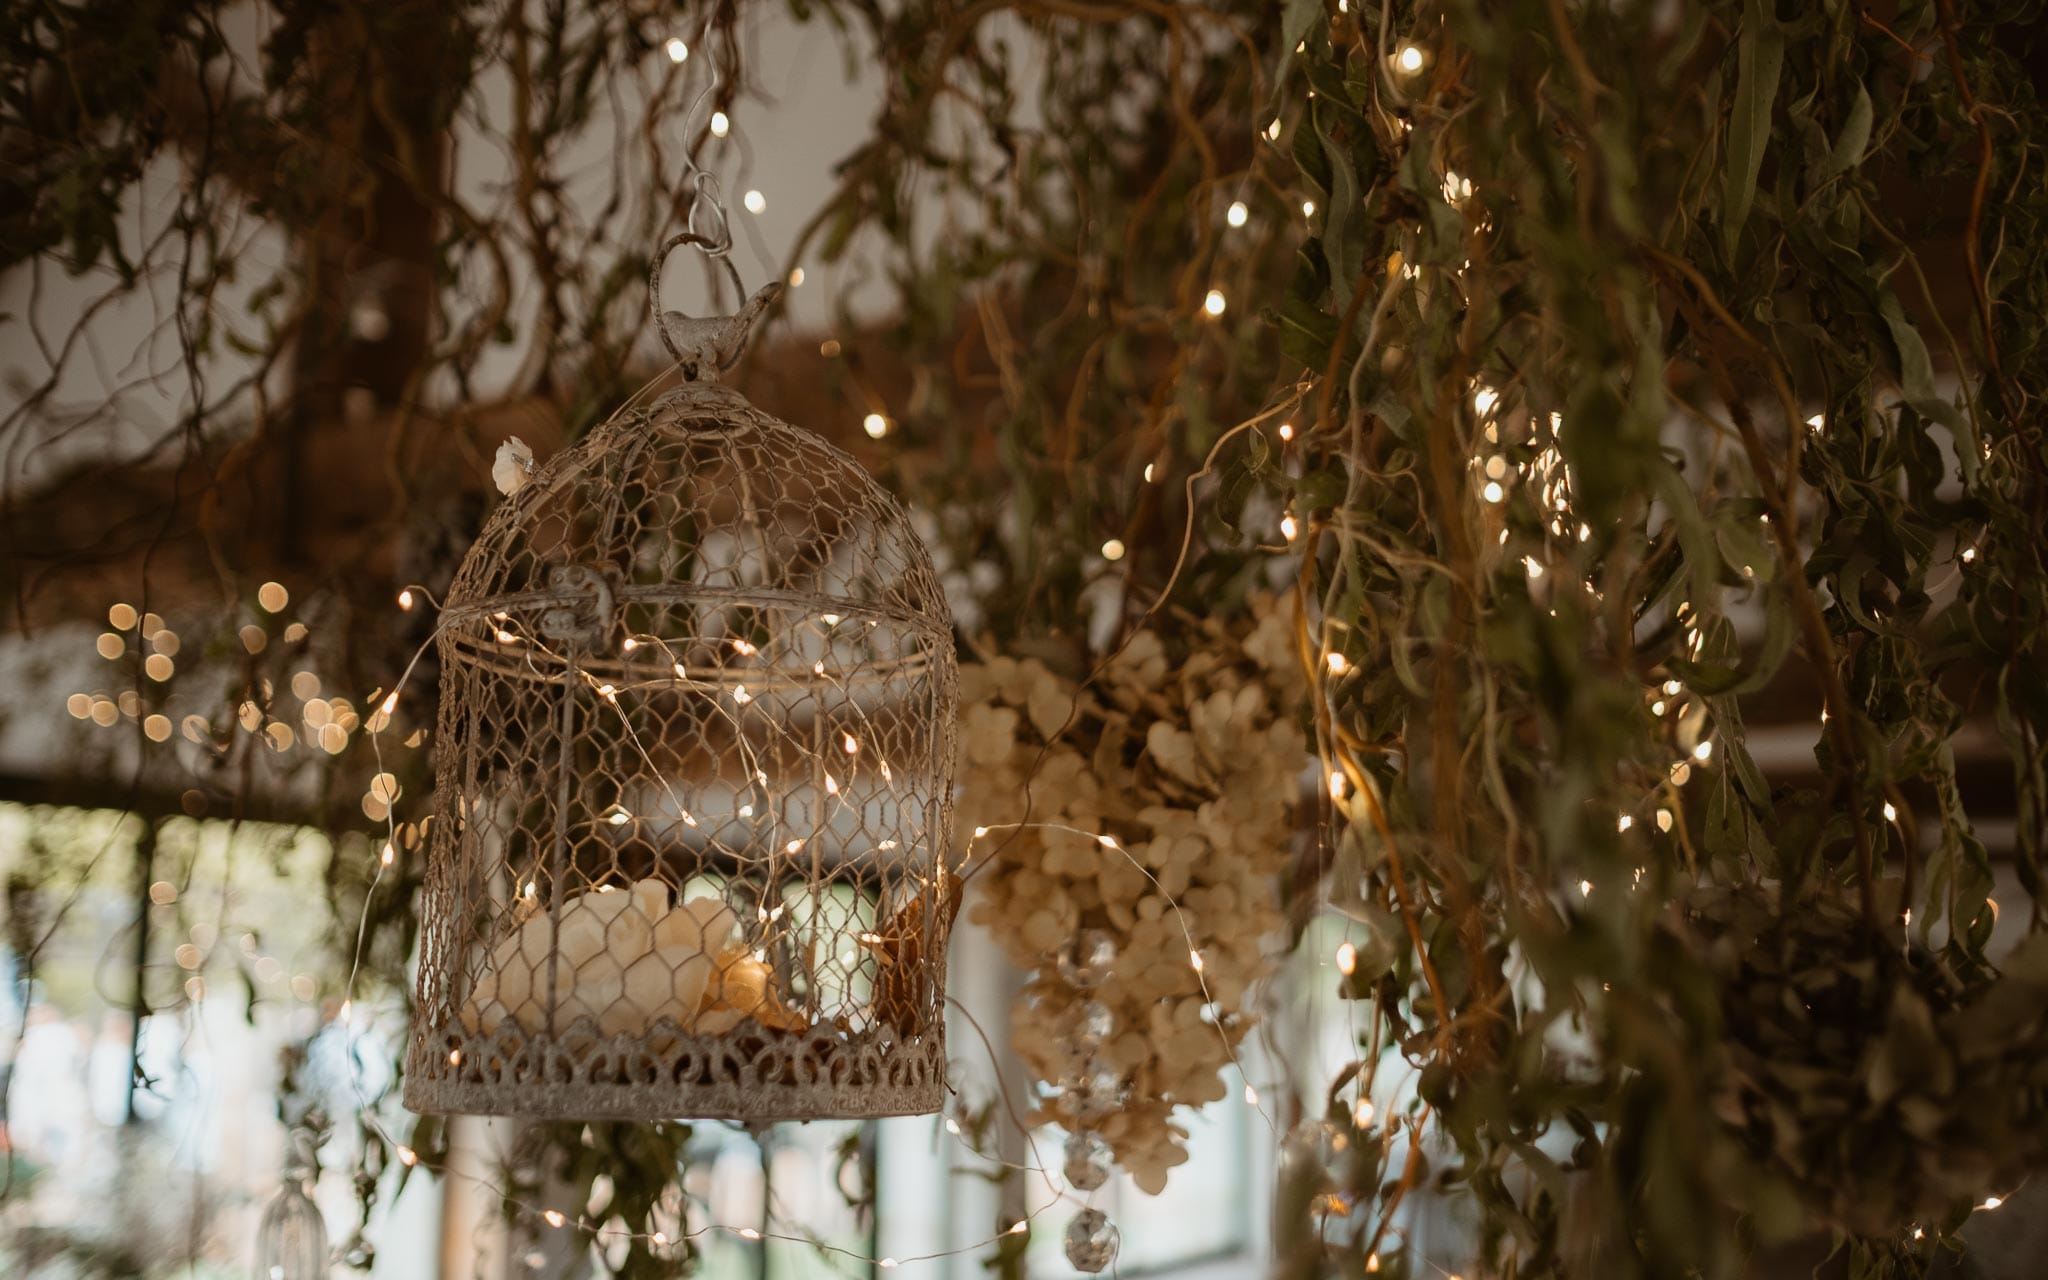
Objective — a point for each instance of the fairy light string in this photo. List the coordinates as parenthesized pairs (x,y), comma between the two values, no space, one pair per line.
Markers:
(510,631)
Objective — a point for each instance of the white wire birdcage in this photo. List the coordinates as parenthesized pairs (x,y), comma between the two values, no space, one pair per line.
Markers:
(693,781)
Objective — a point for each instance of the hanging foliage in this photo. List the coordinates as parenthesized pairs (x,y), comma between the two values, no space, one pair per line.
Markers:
(1607,379)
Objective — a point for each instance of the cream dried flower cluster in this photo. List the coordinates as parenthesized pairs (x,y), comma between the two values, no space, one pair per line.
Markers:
(1191,758)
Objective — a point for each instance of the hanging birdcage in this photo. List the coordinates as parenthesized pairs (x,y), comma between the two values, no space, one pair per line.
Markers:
(693,772)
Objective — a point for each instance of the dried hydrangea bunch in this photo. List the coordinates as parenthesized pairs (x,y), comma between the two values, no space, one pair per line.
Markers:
(1189,752)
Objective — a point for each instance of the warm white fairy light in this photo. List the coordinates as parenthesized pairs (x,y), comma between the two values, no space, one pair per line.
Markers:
(1585,888)
(405,598)
(748,1233)
(1288,528)
(1148,473)
(720,125)
(1891,813)
(1969,555)
(1703,751)
(1251,1096)
(755,201)
(554,1217)
(1308,208)
(408,1157)
(1663,819)
(1273,130)
(1113,549)
(677,50)
(1408,59)
(1347,959)
(388,854)
(1287,431)
(887,1264)
(1237,214)
(1534,568)
(875,425)
(796,277)
(1336,662)
(1336,784)
(740,694)
(1019,1227)
(1493,492)
(1992,1202)
(1195,959)
(1671,688)
(1214,303)
(850,744)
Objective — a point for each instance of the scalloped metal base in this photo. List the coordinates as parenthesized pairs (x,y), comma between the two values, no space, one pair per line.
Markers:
(756,1077)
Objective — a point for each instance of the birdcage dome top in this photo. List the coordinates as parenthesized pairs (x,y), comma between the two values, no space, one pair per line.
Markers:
(699,496)
(693,786)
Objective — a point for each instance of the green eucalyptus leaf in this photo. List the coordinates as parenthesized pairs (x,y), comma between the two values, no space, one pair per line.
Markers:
(1854,138)
(1759,58)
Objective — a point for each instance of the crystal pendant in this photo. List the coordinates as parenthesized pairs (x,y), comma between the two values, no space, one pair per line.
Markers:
(1097,1022)
(291,1244)
(1087,1165)
(1091,1241)
(357,1253)
(1095,1090)
(1085,958)
(1316,1142)
(291,1241)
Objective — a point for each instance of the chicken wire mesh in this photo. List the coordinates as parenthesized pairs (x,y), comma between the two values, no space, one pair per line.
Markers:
(694,761)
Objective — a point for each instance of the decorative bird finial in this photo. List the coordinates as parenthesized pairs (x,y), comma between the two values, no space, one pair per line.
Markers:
(708,347)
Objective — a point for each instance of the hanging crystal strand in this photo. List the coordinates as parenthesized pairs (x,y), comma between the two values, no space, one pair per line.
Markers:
(1094,1089)
(356,1252)
(291,1243)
